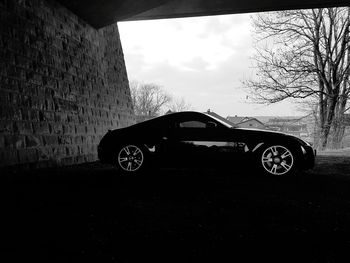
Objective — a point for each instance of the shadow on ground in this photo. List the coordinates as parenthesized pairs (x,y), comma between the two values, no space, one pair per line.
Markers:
(88,212)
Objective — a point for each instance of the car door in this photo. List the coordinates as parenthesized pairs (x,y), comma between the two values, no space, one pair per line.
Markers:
(215,145)
(181,143)
(205,142)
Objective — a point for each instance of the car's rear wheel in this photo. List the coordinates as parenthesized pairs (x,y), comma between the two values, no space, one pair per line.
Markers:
(277,160)
(131,159)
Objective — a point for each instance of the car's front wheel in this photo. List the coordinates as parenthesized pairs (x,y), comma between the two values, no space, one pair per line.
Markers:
(277,160)
(131,159)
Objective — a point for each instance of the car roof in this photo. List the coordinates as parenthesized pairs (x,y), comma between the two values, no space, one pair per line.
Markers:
(174,116)
(185,113)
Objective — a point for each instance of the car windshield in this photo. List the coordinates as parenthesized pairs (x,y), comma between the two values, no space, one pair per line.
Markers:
(226,124)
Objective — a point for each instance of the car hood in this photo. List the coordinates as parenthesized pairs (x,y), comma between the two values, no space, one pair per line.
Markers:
(258,133)
(262,131)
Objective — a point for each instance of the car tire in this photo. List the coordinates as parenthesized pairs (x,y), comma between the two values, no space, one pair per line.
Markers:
(277,160)
(131,159)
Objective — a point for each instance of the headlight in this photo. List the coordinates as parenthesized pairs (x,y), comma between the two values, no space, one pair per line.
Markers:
(303,150)
(308,143)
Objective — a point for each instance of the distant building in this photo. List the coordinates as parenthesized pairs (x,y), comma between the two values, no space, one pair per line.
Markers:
(296,126)
(247,122)
(236,119)
(252,123)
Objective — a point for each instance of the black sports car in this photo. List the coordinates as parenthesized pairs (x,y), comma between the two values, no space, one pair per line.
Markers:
(193,138)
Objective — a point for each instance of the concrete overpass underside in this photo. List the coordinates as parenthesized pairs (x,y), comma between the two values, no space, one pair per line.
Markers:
(100,13)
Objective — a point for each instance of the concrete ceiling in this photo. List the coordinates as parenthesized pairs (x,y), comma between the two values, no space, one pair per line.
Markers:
(100,13)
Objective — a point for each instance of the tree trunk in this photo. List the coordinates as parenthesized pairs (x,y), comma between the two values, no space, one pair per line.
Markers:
(324,137)
(322,132)
(328,121)
(338,130)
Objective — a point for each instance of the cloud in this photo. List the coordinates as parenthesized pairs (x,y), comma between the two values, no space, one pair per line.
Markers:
(223,24)
(182,41)
(196,64)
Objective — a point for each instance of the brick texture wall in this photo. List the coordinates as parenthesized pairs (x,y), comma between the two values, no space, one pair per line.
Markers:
(63,84)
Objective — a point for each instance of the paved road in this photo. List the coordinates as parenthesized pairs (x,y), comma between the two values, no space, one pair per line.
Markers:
(88,212)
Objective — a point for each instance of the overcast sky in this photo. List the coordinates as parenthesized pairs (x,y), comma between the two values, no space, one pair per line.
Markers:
(202,60)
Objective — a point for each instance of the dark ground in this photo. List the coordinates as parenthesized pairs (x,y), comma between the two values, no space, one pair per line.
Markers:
(87,212)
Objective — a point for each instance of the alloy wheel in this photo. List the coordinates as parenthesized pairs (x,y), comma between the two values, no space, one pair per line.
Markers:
(277,160)
(130,158)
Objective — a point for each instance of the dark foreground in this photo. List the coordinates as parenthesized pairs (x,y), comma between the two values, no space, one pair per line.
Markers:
(87,212)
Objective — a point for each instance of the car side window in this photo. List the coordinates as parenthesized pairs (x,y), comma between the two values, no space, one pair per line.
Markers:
(192,124)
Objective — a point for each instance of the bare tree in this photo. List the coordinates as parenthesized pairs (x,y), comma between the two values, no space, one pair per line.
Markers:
(148,99)
(179,104)
(305,54)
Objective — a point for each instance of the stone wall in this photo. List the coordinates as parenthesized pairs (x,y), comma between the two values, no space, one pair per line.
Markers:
(63,84)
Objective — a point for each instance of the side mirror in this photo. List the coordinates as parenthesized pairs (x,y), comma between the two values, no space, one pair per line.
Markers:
(211,125)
